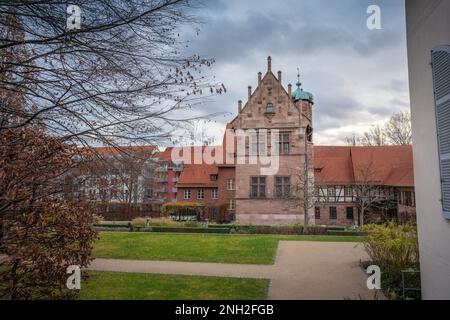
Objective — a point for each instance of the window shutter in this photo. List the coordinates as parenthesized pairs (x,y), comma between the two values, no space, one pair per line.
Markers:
(441,86)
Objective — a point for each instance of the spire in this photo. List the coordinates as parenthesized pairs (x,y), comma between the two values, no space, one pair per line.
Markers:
(299,94)
(299,84)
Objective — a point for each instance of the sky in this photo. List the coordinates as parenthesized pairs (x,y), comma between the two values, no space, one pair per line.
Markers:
(358,76)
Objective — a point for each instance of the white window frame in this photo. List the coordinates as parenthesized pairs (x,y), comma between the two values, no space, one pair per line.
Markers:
(201,194)
(230,184)
(187,194)
(215,193)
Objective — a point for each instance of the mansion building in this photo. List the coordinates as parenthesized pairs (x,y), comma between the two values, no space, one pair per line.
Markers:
(339,175)
(339,181)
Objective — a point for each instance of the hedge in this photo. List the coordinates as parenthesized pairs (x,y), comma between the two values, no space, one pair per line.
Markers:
(110,228)
(236,229)
(111,225)
(190,230)
(289,230)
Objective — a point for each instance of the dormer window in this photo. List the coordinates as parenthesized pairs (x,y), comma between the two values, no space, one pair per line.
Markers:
(269,108)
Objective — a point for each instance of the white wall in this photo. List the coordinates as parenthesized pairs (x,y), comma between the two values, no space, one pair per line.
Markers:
(428,25)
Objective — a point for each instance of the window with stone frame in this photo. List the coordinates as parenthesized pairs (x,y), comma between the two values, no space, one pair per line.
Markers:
(317,213)
(253,144)
(257,187)
(257,144)
(269,108)
(200,194)
(187,193)
(262,143)
(284,142)
(333,213)
(232,204)
(282,187)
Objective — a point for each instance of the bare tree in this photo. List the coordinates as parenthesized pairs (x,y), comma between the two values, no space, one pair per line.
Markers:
(374,137)
(305,189)
(118,177)
(369,193)
(121,77)
(398,129)
(302,191)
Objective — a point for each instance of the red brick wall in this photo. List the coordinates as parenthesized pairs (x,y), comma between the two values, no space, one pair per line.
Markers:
(341,209)
(207,200)
(225,174)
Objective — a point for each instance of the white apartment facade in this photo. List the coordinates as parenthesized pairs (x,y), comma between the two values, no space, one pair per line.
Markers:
(428,35)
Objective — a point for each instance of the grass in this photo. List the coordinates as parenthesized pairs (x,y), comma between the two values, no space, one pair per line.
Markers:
(137,286)
(252,249)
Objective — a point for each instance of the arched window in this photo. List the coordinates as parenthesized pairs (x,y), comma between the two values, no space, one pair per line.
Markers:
(269,108)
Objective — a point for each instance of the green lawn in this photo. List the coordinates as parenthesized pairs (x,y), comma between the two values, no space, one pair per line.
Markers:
(252,249)
(137,286)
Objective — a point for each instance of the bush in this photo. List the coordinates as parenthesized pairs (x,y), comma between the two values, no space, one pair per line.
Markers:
(192,224)
(165,222)
(393,248)
(315,230)
(139,222)
(182,208)
(97,218)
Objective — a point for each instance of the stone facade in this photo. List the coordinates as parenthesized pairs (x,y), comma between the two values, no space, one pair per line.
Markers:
(270,107)
(277,123)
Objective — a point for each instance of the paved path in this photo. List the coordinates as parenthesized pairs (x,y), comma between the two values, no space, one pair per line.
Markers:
(302,270)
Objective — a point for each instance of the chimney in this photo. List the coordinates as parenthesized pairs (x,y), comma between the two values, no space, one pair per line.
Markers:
(249,92)
(259,78)
(290,90)
(240,106)
(279,76)
(269,64)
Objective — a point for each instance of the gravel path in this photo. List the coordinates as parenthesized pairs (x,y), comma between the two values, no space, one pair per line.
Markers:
(302,270)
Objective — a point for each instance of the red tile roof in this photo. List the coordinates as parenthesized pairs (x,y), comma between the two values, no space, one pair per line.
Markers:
(194,175)
(122,150)
(387,165)
(165,155)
